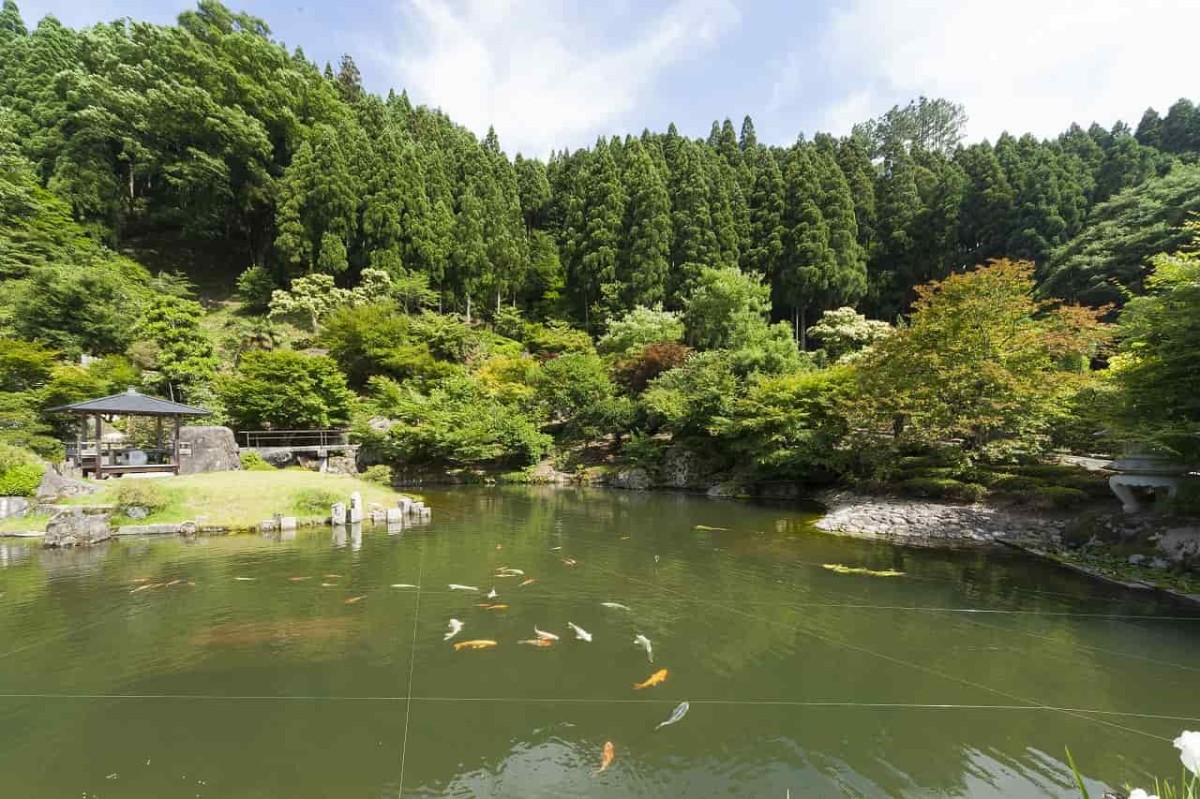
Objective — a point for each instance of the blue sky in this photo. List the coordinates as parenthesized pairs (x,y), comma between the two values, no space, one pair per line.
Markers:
(555,73)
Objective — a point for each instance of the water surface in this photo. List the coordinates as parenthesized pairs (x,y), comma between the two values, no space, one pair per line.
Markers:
(965,677)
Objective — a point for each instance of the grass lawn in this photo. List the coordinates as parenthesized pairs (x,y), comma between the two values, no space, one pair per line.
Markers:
(243,499)
(30,523)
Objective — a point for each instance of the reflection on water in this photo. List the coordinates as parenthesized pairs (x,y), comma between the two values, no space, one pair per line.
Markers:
(301,664)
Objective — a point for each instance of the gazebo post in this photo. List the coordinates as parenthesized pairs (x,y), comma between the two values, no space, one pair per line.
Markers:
(99,456)
(175,457)
(158,435)
(80,432)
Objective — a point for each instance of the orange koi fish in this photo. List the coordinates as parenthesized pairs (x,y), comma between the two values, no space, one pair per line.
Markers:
(354,599)
(657,677)
(606,758)
(543,642)
(524,583)
(476,644)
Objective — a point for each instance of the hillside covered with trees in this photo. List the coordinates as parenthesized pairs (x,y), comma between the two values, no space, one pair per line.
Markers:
(215,218)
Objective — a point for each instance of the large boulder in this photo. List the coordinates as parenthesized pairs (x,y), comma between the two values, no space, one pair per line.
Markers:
(55,486)
(213,449)
(77,527)
(13,506)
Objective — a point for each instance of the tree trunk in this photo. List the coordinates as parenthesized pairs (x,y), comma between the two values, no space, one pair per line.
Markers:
(803,333)
(468,308)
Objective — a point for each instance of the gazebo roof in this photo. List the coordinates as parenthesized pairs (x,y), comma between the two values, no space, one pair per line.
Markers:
(131,403)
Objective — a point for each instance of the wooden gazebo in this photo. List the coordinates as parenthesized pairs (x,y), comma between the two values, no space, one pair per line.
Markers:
(104,458)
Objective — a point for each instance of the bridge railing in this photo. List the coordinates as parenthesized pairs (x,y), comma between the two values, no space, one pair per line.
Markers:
(294,438)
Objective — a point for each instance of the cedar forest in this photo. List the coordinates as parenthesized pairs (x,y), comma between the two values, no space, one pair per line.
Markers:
(213,218)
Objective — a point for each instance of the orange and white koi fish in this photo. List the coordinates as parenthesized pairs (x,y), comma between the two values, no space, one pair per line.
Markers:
(524,583)
(537,642)
(476,644)
(352,600)
(497,606)
(298,579)
(569,561)
(654,679)
(606,758)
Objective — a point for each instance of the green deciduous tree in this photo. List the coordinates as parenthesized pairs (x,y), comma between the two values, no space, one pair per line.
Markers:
(1158,368)
(286,390)
(981,360)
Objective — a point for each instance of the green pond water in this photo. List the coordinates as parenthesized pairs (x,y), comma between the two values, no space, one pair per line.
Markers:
(965,676)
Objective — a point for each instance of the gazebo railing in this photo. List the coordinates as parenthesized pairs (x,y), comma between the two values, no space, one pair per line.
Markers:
(294,438)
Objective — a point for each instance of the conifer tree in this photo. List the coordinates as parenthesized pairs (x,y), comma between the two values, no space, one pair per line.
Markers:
(748,140)
(847,278)
(808,260)
(318,196)
(694,242)
(987,204)
(766,216)
(603,209)
(645,257)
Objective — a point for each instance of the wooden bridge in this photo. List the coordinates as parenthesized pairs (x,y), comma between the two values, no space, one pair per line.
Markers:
(318,444)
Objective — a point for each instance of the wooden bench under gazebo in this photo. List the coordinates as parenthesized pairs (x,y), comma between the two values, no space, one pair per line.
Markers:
(115,454)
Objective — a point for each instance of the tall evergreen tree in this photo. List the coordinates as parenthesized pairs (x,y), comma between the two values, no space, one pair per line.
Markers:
(645,258)
(748,139)
(694,242)
(808,260)
(766,216)
(604,200)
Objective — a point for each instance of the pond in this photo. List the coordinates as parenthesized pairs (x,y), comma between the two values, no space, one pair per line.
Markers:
(249,666)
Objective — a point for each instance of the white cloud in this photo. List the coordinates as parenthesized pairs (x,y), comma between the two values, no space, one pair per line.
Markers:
(542,79)
(1021,65)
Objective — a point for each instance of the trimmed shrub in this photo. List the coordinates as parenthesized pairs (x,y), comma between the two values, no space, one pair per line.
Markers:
(379,474)
(20,480)
(942,488)
(1014,483)
(1060,496)
(253,462)
(315,501)
(140,494)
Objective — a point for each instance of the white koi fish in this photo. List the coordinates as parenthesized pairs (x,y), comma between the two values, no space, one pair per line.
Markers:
(644,643)
(545,636)
(507,570)
(403,585)
(455,628)
(580,633)
(457,587)
(614,605)
(492,594)
(679,712)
